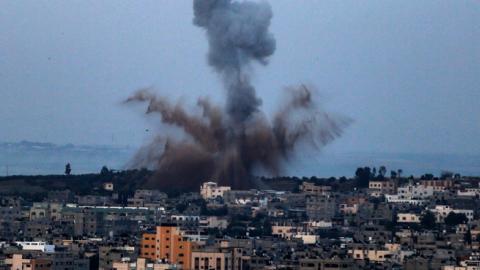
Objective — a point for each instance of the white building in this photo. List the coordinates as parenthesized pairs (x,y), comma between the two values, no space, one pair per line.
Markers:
(307,239)
(40,246)
(108,186)
(211,190)
(415,192)
(412,194)
(442,211)
(395,199)
(469,192)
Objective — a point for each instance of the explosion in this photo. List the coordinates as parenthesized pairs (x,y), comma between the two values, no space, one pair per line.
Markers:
(228,144)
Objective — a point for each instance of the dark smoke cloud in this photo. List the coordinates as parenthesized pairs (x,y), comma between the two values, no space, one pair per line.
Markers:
(216,150)
(237,34)
(227,144)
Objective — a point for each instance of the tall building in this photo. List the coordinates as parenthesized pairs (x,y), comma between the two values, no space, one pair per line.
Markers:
(167,244)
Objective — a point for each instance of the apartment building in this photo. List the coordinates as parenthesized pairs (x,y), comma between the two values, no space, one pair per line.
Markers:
(379,188)
(211,259)
(169,244)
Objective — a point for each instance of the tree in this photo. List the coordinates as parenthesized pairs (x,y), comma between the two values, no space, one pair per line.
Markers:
(363,175)
(382,171)
(105,171)
(427,176)
(68,169)
(399,173)
(454,219)
(428,221)
(446,175)
(393,174)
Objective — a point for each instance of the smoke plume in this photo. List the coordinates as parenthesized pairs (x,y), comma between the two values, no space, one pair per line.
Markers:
(237,34)
(227,144)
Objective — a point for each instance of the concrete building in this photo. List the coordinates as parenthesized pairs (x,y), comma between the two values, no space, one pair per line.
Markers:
(469,192)
(147,198)
(108,254)
(213,222)
(379,188)
(142,264)
(212,259)
(371,254)
(108,186)
(19,262)
(415,192)
(211,190)
(411,194)
(169,244)
(284,231)
(321,207)
(437,185)
(334,263)
(408,218)
(442,211)
(315,189)
(39,246)
(348,209)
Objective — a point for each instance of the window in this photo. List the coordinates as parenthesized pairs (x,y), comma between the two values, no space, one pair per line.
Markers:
(205,263)
(197,263)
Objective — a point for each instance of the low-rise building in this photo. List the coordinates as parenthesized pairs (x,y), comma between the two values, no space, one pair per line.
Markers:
(210,190)
(315,189)
(378,188)
(442,211)
(408,218)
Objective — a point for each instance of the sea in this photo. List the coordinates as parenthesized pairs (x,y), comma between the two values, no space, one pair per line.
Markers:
(33,158)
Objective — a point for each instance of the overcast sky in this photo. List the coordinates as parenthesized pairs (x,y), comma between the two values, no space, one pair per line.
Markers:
(407,72)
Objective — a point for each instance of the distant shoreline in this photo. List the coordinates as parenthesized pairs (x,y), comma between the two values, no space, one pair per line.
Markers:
(33,158)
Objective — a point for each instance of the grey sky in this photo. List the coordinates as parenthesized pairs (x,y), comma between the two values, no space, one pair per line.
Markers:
(407,72)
